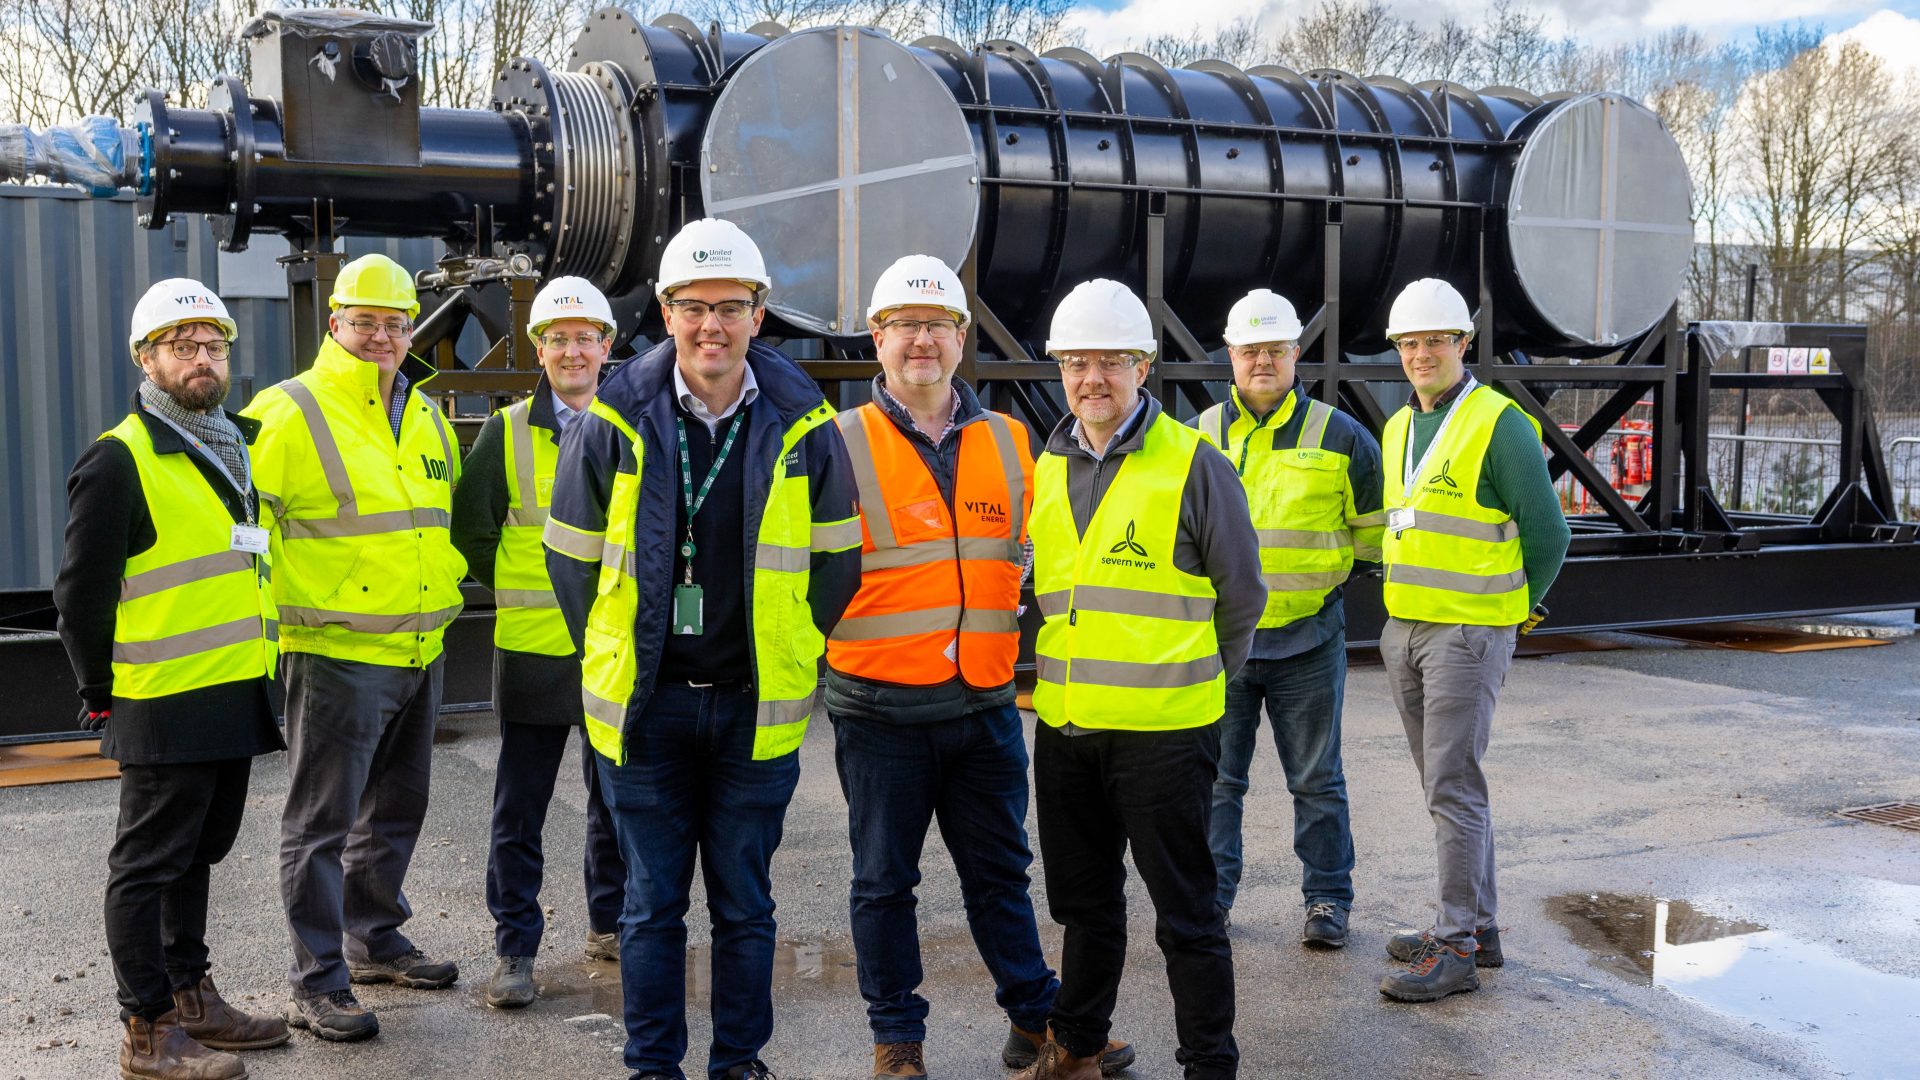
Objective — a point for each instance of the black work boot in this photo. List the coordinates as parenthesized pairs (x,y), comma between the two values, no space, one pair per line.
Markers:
(335,1017)
(412,968)
(1402,947)
(512,984)
(1326,926)
(1436,971)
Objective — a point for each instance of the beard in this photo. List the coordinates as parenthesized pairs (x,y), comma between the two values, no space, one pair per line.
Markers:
(201,391)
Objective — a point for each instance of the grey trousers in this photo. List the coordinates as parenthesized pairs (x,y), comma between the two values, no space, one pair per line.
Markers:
(359,753)
(1445,679)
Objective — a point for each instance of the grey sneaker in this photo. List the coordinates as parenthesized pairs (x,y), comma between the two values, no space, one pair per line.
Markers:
(603,946)
(1403,947)
(1436,971)
(412,968)
(335,1017)
(1326,926)
(512,984)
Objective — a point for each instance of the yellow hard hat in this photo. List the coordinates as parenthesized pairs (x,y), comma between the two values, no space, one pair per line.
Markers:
(375,281)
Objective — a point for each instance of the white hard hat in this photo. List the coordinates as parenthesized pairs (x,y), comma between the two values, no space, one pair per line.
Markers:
(1429,304)
(1101,314)
(711,249)
(1262,315)
(173,301)
(569,298)
(919,281)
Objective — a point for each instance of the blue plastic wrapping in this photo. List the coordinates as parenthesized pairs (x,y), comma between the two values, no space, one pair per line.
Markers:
(95,154)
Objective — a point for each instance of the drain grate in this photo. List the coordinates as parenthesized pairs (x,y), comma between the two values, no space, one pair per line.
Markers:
(1900,815)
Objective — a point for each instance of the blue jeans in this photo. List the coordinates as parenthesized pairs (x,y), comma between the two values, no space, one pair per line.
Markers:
(1302,694)
(971,774)
(691,785)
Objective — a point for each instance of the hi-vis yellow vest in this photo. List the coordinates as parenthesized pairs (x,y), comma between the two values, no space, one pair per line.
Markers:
(1128,639)
(1299,499)
(1460,562)
(786,645)
(193,612)
(364,567)
(526,616)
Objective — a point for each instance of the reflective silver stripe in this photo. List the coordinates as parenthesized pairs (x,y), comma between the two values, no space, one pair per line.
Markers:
(386,521)
(525,598)
(989,621)
(1455,581)
(1466,528)
(192,642)
(873,503)
(174,575)
(776,713)
(618,558)
(838,536)
(1367,521)
(1365,552)
(418,622)
(523,472)
(1053,603)
(1119,601)
(1302,538)
(446,448)
(519,515)
(1128,674)
(898,624)
(1316,582)
(1313,431)
(570,541)
(788,560)
(1002,430)
(611,713)
(332,465)
(926,552)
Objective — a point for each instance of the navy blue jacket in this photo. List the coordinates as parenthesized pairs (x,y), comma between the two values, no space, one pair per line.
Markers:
(641,392)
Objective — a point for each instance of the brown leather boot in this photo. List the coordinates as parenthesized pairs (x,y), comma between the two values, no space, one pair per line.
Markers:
(219,1026)
(159,1050)
(1054,1063)
(1023,1049)
(898,1059)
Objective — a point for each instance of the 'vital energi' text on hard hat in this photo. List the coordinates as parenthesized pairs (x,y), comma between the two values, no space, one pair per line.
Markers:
(919,281)
(569,298)
(173,301)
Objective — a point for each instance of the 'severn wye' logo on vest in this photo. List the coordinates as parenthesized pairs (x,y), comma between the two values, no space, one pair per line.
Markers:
(1451,487)
(1131,547)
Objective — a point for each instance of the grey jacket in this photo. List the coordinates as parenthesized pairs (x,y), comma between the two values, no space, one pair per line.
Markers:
(1215,538)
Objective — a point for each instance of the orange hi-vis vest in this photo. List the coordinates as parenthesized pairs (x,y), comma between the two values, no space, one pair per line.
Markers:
(939,588)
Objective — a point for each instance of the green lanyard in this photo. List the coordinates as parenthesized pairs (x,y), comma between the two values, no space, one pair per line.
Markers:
(693,502)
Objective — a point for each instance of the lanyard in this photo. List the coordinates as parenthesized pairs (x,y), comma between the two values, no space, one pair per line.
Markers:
(1412,468)
(693,502)
(246,462)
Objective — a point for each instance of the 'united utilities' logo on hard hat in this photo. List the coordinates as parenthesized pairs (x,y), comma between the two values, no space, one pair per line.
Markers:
(718,255)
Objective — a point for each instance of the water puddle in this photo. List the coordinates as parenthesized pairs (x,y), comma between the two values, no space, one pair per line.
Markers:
(1866,1022)
(799,969)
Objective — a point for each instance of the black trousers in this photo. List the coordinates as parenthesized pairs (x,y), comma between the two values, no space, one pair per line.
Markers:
(1097,793)
(176,821)
(523,784)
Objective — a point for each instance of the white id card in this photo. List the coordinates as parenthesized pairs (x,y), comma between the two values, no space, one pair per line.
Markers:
(251,539)
(1400,519)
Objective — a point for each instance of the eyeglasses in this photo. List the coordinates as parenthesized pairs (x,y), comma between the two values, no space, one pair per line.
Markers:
(1275,353)
(586,339)
(1109,364)
(1433,342)
(695,311)
(185,349)
(908,329)
(370,327)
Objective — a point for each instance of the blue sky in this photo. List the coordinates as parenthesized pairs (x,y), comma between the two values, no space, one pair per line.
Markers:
(1890,28)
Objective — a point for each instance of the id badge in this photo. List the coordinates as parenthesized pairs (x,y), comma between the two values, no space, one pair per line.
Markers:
(1399,520)
(251,539)
(688,609)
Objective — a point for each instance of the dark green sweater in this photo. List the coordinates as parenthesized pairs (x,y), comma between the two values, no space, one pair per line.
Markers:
(1514,481)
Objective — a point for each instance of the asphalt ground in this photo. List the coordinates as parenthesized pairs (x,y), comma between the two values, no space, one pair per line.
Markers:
(1703,776)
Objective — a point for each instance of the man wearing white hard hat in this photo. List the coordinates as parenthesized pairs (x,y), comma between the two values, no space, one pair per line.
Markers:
(499,513)
(703,540)
(170,624)
(1146,569)
(1474,537)
(1312,475)
(920,670)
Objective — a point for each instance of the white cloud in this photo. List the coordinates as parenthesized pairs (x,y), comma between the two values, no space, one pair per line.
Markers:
(1889,35)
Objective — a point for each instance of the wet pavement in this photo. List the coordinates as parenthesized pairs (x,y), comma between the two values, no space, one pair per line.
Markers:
(1678,898)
